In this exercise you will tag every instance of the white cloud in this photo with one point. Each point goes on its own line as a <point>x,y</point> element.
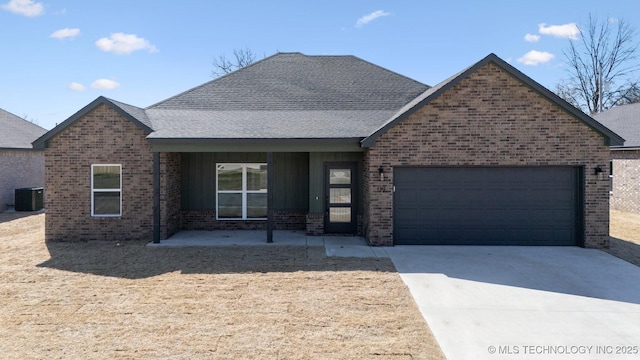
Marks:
<point>76,86</point>
<point>569,31</point>
<point>534,57</point>
<point>532,38</point>
<point>24,7</point>
<point>65,33</point>
<point>120,43</point>
<point>370,17</point>
<point>105,84</point>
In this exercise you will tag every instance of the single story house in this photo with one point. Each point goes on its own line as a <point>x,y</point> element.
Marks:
<point>20,165</point>
<point>625,163</point>
<point>336,145</point>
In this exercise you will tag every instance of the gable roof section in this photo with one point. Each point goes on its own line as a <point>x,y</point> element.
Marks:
<point>134,114</point>
<point>624,120</point>
<point>287,96</point>
<point>17,133</point>
<point>611,138</point>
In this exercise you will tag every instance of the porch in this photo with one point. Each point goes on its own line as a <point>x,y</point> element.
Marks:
<point>338,246</point>
<point>314,192</point>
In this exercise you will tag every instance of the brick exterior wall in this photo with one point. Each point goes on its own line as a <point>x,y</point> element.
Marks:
<point>100,137</point>
<point>488,119</point>
<point>315,224</point>
<point>206,220</point>
<point>19,169</point>
<point>625,195</point>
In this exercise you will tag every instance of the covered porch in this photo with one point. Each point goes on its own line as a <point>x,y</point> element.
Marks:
<point>258,187</point>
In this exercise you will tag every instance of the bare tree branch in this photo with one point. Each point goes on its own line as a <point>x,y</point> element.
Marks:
<point>241,58</point>
<point>31,120</point>
<point>602,66</point>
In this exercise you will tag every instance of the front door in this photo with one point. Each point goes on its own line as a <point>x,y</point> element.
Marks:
<point>340,198</point>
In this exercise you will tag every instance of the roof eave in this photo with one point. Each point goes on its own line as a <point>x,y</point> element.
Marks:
<point>256,145</point>
<point>19,149</point>
<point>155,140</point>
<point>625,148</point>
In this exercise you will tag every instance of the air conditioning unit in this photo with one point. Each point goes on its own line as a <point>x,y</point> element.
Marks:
<point>29,199</point>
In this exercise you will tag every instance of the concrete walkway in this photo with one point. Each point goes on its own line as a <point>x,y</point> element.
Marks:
<point>525,302</point>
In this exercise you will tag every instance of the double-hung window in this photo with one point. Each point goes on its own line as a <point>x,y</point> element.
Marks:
<point>106,190</point>
<point>241,191</point>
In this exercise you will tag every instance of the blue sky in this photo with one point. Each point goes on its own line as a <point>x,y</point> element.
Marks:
<point>58,56</point>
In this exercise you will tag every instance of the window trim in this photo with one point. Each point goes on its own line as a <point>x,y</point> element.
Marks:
<point>244,191</point>
<point>94,190</point>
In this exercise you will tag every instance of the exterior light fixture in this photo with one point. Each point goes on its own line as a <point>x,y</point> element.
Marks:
<point>599,172</point>
<point>381,172</point>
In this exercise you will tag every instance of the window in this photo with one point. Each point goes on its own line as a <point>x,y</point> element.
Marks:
<point>106,190</point>
<point>241,191</point>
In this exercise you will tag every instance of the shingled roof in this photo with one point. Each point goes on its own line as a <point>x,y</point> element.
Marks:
<point>17,133</point>
<point>292,96</point>
<point>287,95</point>
<point>624,120</point>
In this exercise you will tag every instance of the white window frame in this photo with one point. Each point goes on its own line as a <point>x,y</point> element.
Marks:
<point>244,191</point>
<point>94,190</point>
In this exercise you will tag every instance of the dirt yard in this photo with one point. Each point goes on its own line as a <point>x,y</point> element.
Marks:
<point>98,300</point>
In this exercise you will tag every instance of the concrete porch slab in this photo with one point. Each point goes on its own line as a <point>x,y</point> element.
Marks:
<point>338,246</point>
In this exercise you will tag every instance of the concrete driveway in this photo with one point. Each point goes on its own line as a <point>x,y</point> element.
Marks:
<point>525,302</point>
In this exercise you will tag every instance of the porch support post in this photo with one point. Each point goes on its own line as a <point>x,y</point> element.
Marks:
<point>156,197</point>
<point>270,197</point>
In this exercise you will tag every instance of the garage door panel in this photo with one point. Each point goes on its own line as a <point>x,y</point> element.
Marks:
<point>407,198</point>
<point>516,206</point>
<point>410,214</point>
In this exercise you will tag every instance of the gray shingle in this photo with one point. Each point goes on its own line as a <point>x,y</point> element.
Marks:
<point>16,132</point>
<point>134,111</point>
<point>287,95</point>
<point>625,121</point>
<point>201,124</point>
<point>296,82</point>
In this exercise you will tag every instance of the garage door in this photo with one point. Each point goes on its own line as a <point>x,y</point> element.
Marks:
<point>487,206</point>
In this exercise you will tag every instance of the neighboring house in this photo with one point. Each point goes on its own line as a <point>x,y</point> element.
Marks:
<point>336,145</point>
<point>20,165</point>
<point>624,120</point>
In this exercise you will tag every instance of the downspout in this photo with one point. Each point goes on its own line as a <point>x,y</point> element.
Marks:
<point>156,197</point>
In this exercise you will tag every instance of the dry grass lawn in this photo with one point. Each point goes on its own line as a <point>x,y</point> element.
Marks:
<point>98,300</point>
<point>625,236</point>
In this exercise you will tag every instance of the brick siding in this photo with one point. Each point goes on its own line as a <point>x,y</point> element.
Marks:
<point>315,224</point>
<point>19,169</point>
<point>100,137</point>
<point>206,220</point>
<point>625,195</point>
<point>488,119</point>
